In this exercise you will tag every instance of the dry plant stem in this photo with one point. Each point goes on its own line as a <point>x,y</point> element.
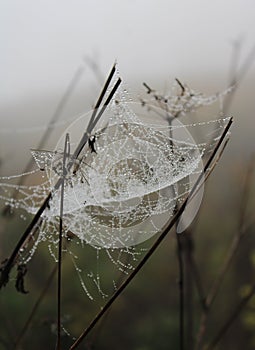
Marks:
<point>35,308</point>
<point>191,264</point>
<point>209,300</point>
<point>197,280</point>
<point>242,229</point>
<point>5,273</point>
<point>8,328</point>
<point>180,258</point>
<point>58,112</point>
<point>64,173</point>
<point>231,319</point>
<point>94,66</point>
<point>189,276</point>
<point>239,75</point>
<point>187,266</point>
<point>104,319</point>
<point>181,289</point>
<point>163,234</point>
<point>61,106</point>
<point>184,253</point>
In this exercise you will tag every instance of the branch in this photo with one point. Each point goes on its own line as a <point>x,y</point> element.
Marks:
<point>232,250</point>
<point>156,244</point>
<point>5,271</point>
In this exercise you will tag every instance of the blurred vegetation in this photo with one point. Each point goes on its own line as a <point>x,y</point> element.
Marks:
<point>146,315</point>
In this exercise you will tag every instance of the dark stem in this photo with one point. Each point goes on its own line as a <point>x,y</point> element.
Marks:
<point>231,319</point>
<point>181,289</point>
<point>189,276</point>
<point>238,76</point>
<point>6,270</point>
<point>156,244</point>
<point>38,302</point>
<point>56,115</point>
<point>198,284</point>
<point>229,256</point>
<point>64,173</point>
<point>103,92</point>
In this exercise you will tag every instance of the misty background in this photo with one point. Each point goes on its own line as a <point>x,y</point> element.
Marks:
<point>43,43</point>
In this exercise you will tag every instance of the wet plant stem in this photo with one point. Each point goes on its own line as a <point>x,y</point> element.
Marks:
<point>232,250</point>
<point>93,121</point>
<point>46,135</point>
<point>35,307</point>
<point>156,244</point>
<point>231,319</point>
<point>64,173</point>
<point>181,289</point>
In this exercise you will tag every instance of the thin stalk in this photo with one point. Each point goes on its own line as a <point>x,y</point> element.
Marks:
<point>156,244</point>
<point>231,319</point>
<point>189,290</point>
<point>199,286</point>
<point>56,115</point>
<point>95,68</point>
<point>238,76</point>
<point>107,314</point>
<point>232,250</point>
<point>64,173</point>
<point>181,290</point>
<point>9,265</point>
<point>180,261</point>
<point>191,262</point>
<point>35,308</point>
<point>103,92</point>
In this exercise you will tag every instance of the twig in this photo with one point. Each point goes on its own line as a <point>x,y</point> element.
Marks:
<point>231,319</point>
<point>191,267</point>
<point>181,86</point>
<point>35,307</point>
<point>238,76</point>
<point>241,231</point>
<point>6,270</point>
<point>189,278</point>
<point>181,290</point>
<point>156,244</point>
<point>199,286</point>
<point>95,68</point>
<point>56,115</point>
<point>64,173</point>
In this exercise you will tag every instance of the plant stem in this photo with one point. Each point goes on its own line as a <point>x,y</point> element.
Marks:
<point>56,115</point>
<point>189,277</point>
<point>156,244</point>
<point>232,250</point>
<point>181,289</point>
<point>64,173</point>
<point>35,307</point>
<point>231,319</point>
<point>9,265</point>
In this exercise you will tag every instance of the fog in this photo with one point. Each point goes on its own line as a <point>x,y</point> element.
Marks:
<point>43,43</point>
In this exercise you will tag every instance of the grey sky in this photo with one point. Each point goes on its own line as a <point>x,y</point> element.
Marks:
<point>43,41</point>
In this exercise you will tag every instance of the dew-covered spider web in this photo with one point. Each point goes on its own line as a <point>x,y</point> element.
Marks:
<point>137,168</point>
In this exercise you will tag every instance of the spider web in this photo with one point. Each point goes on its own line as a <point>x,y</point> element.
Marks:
<point>119,194</point>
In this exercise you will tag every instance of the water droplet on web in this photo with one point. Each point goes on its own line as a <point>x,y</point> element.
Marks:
<point>143,168</point>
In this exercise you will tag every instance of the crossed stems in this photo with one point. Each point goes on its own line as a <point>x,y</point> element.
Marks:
<point>96,115</point>
<point>156,244</point>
